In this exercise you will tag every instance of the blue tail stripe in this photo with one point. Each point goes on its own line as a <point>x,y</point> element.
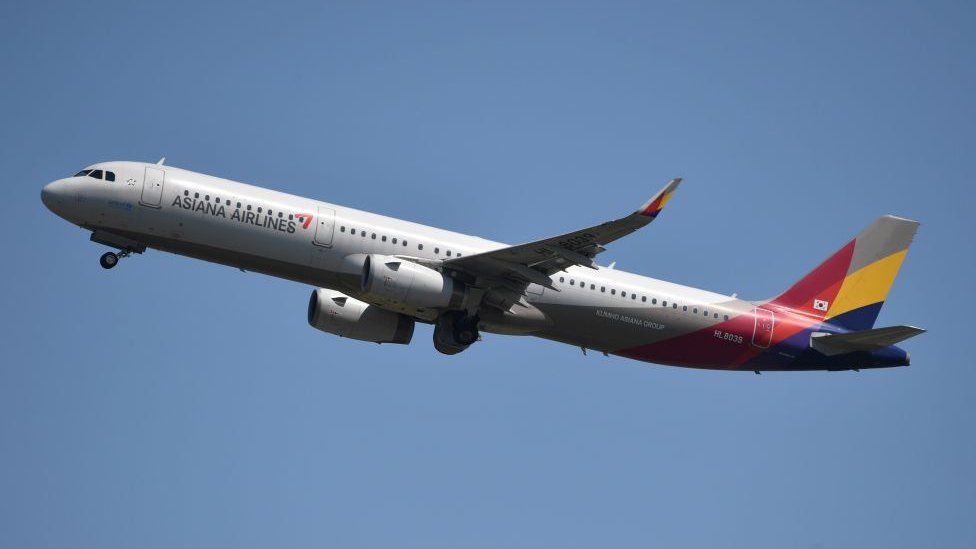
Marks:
<point>861,318</point>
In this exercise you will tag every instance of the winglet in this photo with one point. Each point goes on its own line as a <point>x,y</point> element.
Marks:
<point>654,206</point>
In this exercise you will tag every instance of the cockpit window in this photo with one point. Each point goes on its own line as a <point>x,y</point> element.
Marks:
<point>109,176</point>
<point>97,174</point>
<point>82,173</point>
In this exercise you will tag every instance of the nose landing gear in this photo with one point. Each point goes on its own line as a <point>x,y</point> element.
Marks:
<point>126,247</point>
<point>111,259</point>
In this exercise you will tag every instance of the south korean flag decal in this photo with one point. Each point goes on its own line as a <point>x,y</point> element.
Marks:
<point>820,305</point>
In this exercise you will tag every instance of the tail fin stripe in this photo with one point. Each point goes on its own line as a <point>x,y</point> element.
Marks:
<point>822,282</point>
<point>867,286</point>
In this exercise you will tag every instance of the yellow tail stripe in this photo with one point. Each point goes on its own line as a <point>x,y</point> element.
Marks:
<point>868,285</point>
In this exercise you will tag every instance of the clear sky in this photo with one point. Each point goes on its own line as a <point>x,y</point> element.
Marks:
<point>174,403</point>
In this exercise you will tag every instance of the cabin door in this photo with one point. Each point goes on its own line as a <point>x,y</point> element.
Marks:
<point>152,187</point>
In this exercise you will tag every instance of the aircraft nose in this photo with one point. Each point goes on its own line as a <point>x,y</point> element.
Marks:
<point>54,194</point>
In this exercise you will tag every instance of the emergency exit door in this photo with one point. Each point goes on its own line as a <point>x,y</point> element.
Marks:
<point>762,336</point>
<point>152,187</point>
<point>324,227</point>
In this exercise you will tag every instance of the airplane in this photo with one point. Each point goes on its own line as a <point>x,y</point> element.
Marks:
<point>375,276</point>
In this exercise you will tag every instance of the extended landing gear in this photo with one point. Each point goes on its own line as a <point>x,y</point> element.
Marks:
<point>111,259</point>
<point>108,260</point>
<point>454,332</point>
<point>126,247</point>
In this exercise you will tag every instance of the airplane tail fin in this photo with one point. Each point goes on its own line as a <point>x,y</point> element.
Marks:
<point>849,288</point>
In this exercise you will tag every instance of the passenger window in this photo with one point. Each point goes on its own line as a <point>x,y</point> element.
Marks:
<point>603,288</point>
<point>572,282</point>
<point>644,298</point>
<point>592,286</point>
<point>342,229</point>
<point>248,207</point>
<point>97,174</point>
<point>197,195</point>
<point>281,215</point>
<point>186,193</point>
<point>613,291</point>
<point>238,205</point>
<point>674,305</point>
<point>726,317</point>
<point>623,294</point>
<point>437,250</point>
<point>259,207</point>
<point>706,313</point>
<point>695,310</point>
<point>228,204</point>
<point>449,253</point>
<point>654,301</point>
<point>420,246</point>
<point>664,303</point>
<point>633,296</point>
<point>394,240</point>
<point>404,242</point>
<point>384,238</point>
<point>217,200</point>
<point>684,308</point>
<point>562,279</point>
<point>374,236</point>
<point>207,198</point>
<point>109,176</point>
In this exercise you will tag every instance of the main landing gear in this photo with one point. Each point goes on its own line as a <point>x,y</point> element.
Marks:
<point>111,259</point>
<point>454,332</point>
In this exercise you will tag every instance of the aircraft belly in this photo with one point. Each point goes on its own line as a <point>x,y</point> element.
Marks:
<point>609,328</point>
<point>298,271</point>
<point>657,334</point>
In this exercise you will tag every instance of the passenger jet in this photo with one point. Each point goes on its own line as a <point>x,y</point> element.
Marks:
<point>377,276</point>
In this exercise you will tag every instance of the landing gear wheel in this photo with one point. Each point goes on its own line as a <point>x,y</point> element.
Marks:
<point>108,260</point>
<point>466,331</point>
<point>454,332</point>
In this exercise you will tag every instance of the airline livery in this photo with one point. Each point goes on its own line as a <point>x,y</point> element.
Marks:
<point>376,276</point>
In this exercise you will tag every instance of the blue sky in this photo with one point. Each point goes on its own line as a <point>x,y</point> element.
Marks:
<point>171,402</point>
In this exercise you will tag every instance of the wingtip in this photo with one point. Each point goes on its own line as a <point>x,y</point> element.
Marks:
<point>657,202</point>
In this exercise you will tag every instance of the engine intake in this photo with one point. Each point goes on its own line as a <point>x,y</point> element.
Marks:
<point>336,313</point>
<point>403,282</point>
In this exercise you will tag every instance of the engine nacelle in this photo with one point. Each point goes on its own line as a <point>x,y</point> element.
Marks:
<point>406,283</point>
<point>339,314</point>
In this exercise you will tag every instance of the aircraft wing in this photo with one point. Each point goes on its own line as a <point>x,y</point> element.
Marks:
<point>533,262</point>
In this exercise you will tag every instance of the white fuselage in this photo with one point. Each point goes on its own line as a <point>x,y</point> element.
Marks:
<point>262,230</point>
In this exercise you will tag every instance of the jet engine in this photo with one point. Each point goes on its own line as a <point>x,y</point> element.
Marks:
<point>336,313</point>
<point>406,283</point>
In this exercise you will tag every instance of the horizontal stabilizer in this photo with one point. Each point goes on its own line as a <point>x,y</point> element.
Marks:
<point>864,340</point>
